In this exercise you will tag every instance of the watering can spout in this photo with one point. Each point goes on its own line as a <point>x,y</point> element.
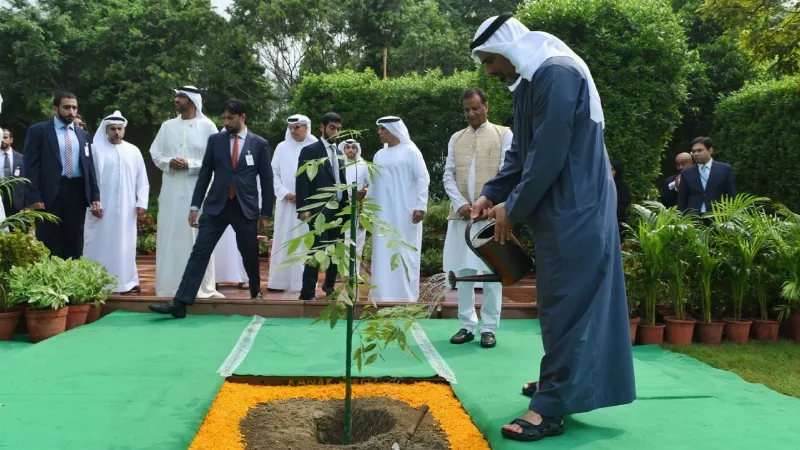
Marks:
<point>509,262</point>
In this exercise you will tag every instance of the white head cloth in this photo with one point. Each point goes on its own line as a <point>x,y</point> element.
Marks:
<point>527,50</point>
<point>351,142</point>
<point>398,129</point>
<point>194,95</point>
<point>299,118</point>
<point>101,141</point>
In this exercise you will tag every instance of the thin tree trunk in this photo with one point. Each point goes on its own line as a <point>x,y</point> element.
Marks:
<point>385,57</point>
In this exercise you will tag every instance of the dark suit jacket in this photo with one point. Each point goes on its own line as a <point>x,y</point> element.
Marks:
<point>18,190</point>
<point>43,164</point>
<point>217,162</point>
<point>691,195</point>
<point>306,188</point>
<point>669,197</point>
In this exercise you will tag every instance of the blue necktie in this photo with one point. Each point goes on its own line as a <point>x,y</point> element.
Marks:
<point>704,180</point>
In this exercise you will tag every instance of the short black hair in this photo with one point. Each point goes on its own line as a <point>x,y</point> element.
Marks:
<point>706,141</point>
<point>61,96</point>
<point>331,117</point>
<point>235,106</point>
<point>10,133</point>
<point>472,92</point>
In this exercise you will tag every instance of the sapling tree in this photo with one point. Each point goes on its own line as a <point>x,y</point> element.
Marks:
<point>377,328</point>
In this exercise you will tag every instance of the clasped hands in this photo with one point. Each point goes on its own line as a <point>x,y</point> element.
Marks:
<point>484,209</point>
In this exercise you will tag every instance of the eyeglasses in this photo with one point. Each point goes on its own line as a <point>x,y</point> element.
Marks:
<point>297,127</point>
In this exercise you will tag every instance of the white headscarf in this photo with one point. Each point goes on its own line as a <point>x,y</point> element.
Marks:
<point>351,142</point>
<point>527,50</point>
<point>299,118</point>
<point>194,95</point>
<point>103,147</point>
<point>398,129</point>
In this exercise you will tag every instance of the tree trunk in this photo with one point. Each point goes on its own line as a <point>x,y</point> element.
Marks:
<point>385,58</point>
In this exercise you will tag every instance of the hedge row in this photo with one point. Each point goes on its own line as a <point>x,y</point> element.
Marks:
<point>757,130</point>
<point>636,51</point>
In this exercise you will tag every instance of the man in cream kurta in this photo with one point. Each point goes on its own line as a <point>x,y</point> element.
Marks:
<point>178,151</point>
<point>400,189</point>
<point>122,178</point>
<point>284,170</point>
<point>474,156</point>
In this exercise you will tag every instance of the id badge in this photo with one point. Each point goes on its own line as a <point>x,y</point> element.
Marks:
<point>86,150</point>
<point>16,172</point>
<point>249,159</point>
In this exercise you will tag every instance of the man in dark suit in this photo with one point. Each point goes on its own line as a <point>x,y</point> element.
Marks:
<point>59,165</point>
<point>707,181</point>
<point>12,166</point>
<point>333,172</point>
<point>669,192</point>
<point>237,159</point>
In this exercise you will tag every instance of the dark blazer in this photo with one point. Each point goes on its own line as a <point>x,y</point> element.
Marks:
<point>43,164</point>
<point>669,197</point>
<point>306,188</point>
<point>691,195</point>
<point>18,190</point>
<point>217,162</point>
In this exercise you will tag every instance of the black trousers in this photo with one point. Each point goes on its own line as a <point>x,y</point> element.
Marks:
<point>211,230</point>
<point>65,238</point>
<point>311,273</point>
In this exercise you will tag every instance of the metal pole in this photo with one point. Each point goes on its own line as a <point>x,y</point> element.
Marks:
<point>353,287</point>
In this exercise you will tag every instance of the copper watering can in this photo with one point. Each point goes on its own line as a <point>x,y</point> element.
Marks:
<point>509,262</point>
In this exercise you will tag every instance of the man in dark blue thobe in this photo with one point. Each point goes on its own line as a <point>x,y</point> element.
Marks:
<point>556,178</point>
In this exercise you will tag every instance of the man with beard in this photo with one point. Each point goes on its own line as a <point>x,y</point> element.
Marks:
<point>236,159</point>
<point>332,173</point>
<point>556,178</point>
<point>58,163</point>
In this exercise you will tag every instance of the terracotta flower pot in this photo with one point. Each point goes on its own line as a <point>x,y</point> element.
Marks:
<point>795,322</point>
<point>679,332</point>
<point>94,313</point>
<point>8,324</point>
<point>738,332</point>
<point>766,330</point>
<point>44,324</point>
<point>76,315</point>
<point>649,335</point>
<point>634,324</point>
<point>710,333</point>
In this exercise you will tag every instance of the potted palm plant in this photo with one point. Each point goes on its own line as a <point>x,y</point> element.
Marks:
<point>41,288</point>
<point>634,274</point>
<point>706,261</point>
<point>677,233</point>
<point>786,238</point>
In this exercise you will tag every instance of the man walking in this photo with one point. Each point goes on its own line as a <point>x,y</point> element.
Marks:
<point>236,158</point>
<point>58,163</point>
<point>705,182</point>
<point>474,155</point>
<point>557,179</point>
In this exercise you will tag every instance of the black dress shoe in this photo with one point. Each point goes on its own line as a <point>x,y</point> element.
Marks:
<point>258,296</point>
<point>461,337</point>
<point>488,340</point>
<point>176,308</point>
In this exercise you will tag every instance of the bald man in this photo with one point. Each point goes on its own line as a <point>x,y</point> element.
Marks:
<point>669,194</point>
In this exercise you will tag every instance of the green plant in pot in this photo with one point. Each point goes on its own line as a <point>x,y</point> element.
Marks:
<point>634,273</point>
<point>678,232</point>
<point>93,284</point>
<point>42,287</point>
<point>786,240</point>
<point>706,262</point>
<point>763,275</point>
<point>742,242</point>
<point>17,249</point>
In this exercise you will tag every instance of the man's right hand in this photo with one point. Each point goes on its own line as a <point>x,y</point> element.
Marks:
<point>37,206</point>
<point>304,215</point>
<point>465,211</point>
<point>677,182</point>
<point>178,163</point>
<point>193,220</point>
<point>291,198</point>
<point>480,210</point>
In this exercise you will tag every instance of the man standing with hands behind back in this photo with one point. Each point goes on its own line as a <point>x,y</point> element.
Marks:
<point>237,159</point>
<point>58,163</point>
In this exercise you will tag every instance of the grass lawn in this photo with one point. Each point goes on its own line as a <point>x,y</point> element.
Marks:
<point>775,365</point>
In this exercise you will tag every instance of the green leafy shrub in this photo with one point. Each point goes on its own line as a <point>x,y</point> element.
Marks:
<point>52,283</point>
<point>431,261</point>
<point>91,282</point>
<point>17,249</point>
<point>756,130</point>
<point>145,244</point>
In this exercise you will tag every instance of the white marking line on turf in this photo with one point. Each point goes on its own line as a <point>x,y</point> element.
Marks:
<point>434,358</point>
<point>242,347</point>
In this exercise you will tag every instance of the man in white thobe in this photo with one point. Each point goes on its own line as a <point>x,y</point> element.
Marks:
<point>122,178</point>
<point>474,156</point>
<point>178,151</point>
<point>400,189</point>
<point>284,170</point>
<point>357,171</point>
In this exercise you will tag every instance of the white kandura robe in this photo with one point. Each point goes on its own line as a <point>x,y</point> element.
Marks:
<point>111,241</point>
<point>229,267</point>
<point>284,170</point>
<point>179,138</point>
<point>400,187</point>
<point>360,173</point>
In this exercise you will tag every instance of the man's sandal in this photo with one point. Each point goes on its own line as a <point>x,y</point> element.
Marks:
<point>550,426</point>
